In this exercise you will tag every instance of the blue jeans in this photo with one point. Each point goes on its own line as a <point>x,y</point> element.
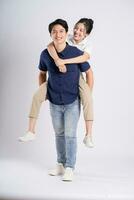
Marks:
<point>64,119</point>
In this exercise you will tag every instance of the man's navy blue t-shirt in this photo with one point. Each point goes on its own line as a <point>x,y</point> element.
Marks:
<point>63,88</point>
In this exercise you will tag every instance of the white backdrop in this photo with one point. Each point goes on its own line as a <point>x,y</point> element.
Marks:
<point>24,34</point>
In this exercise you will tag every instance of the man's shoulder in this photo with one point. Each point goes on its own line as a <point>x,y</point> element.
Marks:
<point>44,52</point>
<point>73,48</point>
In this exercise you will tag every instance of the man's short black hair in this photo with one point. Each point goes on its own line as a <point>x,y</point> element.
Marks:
<point>61,22</point>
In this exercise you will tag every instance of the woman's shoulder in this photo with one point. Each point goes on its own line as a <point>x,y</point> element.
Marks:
<point>70,39</point>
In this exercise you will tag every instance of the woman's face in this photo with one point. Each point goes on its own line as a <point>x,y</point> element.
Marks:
<point>79,32</point>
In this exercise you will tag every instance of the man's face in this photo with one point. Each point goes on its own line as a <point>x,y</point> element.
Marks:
<point>58,34</point>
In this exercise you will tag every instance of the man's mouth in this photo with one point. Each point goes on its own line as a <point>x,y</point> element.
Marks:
<point>58,38</point>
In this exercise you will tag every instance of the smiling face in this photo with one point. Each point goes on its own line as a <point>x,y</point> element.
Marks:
<point>79,32</point>
<point>58,34</point>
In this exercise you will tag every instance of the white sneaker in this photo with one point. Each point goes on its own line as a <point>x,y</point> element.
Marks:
<point>59,170</point>
<point>68,175</point>
<point>88,141</point>
<point>29,136</point>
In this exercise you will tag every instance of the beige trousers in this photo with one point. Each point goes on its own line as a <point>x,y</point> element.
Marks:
<point>85,96</point>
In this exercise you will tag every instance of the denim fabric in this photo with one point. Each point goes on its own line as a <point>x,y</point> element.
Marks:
<point>64,119</point>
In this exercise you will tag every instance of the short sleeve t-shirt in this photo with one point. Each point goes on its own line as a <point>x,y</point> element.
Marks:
<point>63,87</point>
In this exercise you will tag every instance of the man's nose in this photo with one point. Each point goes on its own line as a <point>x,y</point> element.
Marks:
<point>58,34</point>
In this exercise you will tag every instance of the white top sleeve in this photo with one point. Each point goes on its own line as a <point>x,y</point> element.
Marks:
<point>88,49</point>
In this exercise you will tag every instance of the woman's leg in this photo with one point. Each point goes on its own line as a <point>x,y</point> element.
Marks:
<point>37,100</point>
<point>87,102</point>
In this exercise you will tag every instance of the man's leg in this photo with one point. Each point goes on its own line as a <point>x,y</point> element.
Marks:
<point>58,125</point>
<point>71,117</point>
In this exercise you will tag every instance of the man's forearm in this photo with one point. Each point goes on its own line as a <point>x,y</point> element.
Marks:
<point>42,78</point>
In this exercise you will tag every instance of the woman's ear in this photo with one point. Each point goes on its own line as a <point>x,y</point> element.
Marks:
<point>86,35</point>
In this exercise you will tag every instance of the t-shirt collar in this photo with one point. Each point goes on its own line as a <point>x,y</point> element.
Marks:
<point>64,50</point>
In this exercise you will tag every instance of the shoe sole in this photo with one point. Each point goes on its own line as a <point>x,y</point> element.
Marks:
<point>66,180</point>
<point>25,141</point>
<point>87,145</point>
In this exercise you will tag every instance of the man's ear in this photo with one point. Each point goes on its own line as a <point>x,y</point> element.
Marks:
<point>66,35</point>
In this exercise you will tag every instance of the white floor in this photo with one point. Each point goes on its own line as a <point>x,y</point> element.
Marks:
<point>104,178</point>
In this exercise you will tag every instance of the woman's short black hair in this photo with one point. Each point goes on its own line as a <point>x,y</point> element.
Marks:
<point>61,22</point>
<point>88,23</point>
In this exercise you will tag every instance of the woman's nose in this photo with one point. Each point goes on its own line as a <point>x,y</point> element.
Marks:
<point>77,31</point>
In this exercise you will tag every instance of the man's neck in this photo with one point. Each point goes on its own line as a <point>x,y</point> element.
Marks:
<point>60,47</point>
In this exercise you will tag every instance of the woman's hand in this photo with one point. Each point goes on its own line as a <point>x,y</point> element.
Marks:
<point>62,68</point>
<point>59,62</point>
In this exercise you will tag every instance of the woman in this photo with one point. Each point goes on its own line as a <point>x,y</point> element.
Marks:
<point>81,30</point>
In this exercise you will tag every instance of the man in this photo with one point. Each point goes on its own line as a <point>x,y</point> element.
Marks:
<point>63,94</point>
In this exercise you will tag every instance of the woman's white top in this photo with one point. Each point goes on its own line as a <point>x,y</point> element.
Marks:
<point>84,45</point>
